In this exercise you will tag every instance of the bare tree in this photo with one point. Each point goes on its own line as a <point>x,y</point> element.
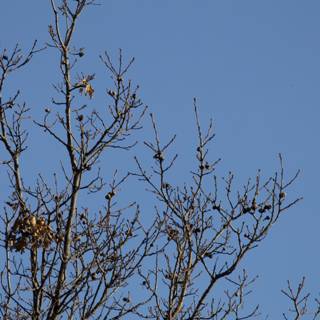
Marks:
<point>209,232</point>
<point>64,260</point>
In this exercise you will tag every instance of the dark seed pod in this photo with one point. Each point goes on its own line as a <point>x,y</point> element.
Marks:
<point>267,207</point>
<point>282,195</point>
<point>109,195</point>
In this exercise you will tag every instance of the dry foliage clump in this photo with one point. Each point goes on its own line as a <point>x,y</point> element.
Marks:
<point>30,231</point>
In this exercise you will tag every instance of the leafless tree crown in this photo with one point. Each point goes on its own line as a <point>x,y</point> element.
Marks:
<point>65,260</point>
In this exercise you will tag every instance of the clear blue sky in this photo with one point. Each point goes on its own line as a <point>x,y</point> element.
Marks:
<point>255,68</point>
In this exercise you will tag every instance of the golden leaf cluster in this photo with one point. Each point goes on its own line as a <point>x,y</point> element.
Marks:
<point>86,88</point>
<point>30,231</point>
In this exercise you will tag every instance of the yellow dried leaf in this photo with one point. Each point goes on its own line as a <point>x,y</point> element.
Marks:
<point>33,221</point>
<point>89,90</point>
<point>41,221</point>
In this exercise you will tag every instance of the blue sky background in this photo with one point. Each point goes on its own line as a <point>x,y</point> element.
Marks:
<point>254,67</point>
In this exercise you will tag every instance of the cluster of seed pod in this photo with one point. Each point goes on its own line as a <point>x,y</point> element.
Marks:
<point>30,231</point>
<point>172,233</point>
